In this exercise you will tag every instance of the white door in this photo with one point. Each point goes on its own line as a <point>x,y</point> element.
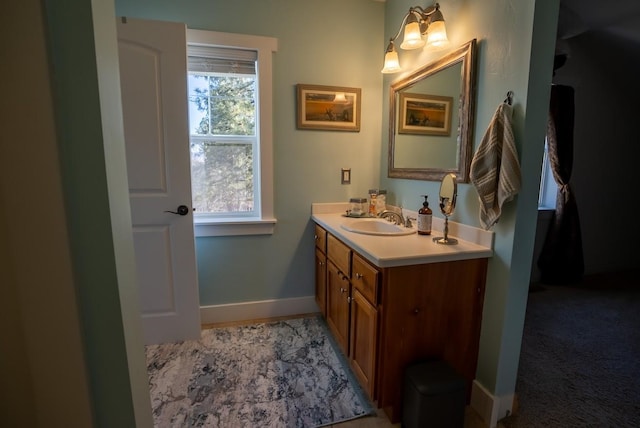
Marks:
<point>153,78</point>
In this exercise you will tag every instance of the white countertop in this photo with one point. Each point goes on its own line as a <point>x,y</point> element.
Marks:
<point>390,251</point>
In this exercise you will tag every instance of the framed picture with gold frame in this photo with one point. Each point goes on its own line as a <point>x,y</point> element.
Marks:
<point>330,108</point>
<point>424,114</point>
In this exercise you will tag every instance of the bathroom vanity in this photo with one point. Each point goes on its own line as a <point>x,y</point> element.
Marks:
<point>393,300</point>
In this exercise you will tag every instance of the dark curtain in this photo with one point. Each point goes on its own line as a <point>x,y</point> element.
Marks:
<point>561,260</point>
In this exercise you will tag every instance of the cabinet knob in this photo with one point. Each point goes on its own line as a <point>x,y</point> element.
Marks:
<point>416,311</point>
<point>321,263</point>
<point>315,237</point>
<point>359,275</point>
<point>349,299</point>
<point>342,290</point>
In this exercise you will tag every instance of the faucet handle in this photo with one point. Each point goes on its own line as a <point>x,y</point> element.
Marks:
<point>407,221</point>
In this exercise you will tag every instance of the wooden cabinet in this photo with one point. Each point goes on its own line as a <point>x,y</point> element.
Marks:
<point>338,305</point>
<point>321,269</point>
<point>321,281</point>
<point>387,318</point>
<point>351,290</point>
<point>365,279</point>
<point>364,322</point>
<point>339,254</point>
<point>364,338</point>
<point>321,239</point>
<point>430,311</point>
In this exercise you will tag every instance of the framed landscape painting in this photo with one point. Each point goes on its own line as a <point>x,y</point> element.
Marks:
<point>424,114</point>
<point>331,108</point>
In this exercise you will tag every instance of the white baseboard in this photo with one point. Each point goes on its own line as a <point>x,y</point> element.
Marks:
<point>258,309</point>
<point>490,407</point>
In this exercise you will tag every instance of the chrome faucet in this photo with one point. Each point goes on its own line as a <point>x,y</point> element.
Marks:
<point>407,221</point>
<point>394,216</point>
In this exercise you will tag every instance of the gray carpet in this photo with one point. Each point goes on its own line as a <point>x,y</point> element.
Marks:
<point>580,365</point>
<point>280,374</point>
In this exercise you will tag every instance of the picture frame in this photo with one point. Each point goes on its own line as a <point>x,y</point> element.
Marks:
<point>329,108</point>
<point>424,114</point>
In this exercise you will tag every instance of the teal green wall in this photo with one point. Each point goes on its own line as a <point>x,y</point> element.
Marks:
<point>324,42</point>
<point>341,43</point>
<point>506,42</point>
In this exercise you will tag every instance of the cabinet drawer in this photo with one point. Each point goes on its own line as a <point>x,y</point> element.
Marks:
<point>321,239</point>
<point>365,279</point>
<point>340,254</point>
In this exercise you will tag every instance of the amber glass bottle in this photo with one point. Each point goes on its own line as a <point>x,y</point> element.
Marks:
<point>425,216</point>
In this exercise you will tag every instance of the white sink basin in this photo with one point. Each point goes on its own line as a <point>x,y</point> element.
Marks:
<point>377,227</point>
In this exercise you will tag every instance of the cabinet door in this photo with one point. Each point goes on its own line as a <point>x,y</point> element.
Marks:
<point>338,291</point>
<point>364,323</point>
<point>430,311</point>
<point>321,282</point>
<point>461,316</point>
<point>409,330</point>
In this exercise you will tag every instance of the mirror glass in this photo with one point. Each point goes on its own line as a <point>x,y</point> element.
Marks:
<point>431,118</point>
<point>448,194</point>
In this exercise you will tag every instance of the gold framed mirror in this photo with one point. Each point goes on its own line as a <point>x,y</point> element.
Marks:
<point>431,114</point>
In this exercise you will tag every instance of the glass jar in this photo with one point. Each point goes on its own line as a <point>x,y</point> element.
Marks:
<point>358,206</point>
<point>373,196</point>
<point>381,201</point>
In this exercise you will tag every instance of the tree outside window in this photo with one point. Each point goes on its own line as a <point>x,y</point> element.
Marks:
<point>222,116</point>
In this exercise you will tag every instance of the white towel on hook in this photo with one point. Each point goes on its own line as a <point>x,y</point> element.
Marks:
<point>495,169</point>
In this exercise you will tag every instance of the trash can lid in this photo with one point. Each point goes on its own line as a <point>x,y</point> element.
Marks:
<point>434,377</point>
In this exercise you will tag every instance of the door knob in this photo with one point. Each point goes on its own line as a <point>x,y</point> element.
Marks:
<point>181,210</point>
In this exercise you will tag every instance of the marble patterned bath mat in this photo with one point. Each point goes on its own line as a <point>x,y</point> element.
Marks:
<point>280,374</point>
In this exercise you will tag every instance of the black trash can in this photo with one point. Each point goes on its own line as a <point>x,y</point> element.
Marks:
<point>434,396</point>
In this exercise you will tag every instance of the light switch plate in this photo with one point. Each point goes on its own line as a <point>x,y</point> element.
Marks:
<point>346,176</point>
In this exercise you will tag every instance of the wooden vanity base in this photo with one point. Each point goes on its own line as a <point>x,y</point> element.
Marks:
<point>387,318</point>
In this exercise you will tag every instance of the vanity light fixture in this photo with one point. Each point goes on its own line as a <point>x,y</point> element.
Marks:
<point>417,23</point>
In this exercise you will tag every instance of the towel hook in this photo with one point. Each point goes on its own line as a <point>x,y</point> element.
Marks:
<point>509,98</point>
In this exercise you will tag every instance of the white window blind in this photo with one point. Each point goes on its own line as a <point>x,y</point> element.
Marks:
<point>213,59</point>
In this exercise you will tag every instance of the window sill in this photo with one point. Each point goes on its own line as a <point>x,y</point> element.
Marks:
<point>234,227</point>
<point>545,213</point>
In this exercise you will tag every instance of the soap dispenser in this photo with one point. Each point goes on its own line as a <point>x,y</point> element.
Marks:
<point>424,218</point>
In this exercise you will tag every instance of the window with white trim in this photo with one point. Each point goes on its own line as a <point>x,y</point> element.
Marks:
<point>229,81</point>
<point>222,128</point>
